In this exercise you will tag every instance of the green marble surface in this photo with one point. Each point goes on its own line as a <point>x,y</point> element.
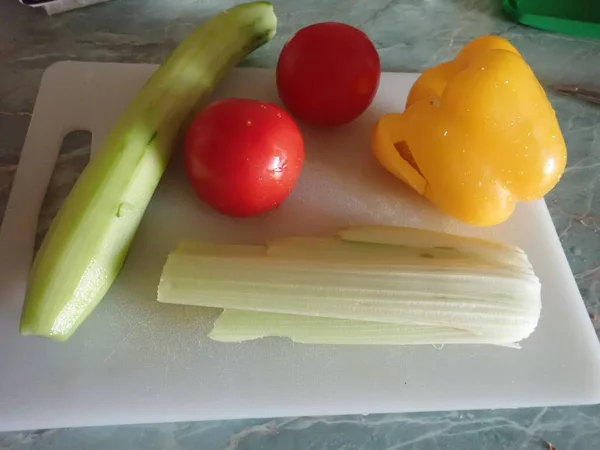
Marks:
<point>410,35</point>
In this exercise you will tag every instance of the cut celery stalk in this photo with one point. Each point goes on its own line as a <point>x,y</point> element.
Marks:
<point>239,326</point>
<point>328,248</point>
<point>87,243</point>
<point>411,284</point>
<point>400,236</point>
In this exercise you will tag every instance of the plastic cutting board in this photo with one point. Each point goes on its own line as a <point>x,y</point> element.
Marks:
<point>137,361</point>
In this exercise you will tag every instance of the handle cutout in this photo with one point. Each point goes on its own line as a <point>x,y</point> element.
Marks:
<point>72,158</point>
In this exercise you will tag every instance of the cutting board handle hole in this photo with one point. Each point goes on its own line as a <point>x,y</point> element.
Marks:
<point>72,158</point>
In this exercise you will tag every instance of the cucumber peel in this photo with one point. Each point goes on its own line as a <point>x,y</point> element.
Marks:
<point>88,240</point>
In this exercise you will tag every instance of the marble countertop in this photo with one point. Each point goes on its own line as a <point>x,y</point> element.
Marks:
<point>410,35</point>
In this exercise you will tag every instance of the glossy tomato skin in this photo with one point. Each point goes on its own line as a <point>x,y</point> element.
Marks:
<point>328,73</point>
<point>243,157</point>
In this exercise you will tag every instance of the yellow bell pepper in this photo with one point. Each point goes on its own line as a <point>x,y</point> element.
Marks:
<point>477,136</point>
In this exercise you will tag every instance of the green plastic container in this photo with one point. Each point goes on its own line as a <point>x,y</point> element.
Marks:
<point>574,17</point>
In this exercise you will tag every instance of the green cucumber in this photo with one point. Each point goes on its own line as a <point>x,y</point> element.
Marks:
<point>88,240</point>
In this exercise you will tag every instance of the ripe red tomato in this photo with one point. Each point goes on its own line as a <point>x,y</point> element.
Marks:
<point>328,73</point>
<point>243,157</point>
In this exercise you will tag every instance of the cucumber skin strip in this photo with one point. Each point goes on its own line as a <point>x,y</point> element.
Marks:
<point>88,241</point>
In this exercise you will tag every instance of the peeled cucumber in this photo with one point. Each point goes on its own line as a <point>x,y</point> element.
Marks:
<point>88,240</point>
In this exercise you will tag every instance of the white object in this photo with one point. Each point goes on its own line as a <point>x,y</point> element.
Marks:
<point>58,6</point>
<point>137,361</point>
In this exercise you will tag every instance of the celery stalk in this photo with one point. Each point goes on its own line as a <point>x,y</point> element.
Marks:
<point>460,287</point>
<point>400,236</point>
<point>239,326</point>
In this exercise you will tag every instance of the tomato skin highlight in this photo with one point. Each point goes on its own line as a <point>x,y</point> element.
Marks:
<point>328,74</point>
<point>242,156</point>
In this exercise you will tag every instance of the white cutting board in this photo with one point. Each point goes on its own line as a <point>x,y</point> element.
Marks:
<point>137,361</point>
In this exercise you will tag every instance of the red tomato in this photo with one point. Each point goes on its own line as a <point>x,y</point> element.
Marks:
<point>243,156</point>
<point>328,73</point>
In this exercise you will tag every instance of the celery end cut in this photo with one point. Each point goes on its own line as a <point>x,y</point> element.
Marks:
<point>88,240</point>
<point>413,237</point>
<point>450,289</point>
<point>239,326</point>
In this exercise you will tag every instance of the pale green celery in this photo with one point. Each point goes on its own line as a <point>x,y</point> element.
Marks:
<point>412,237</point>
<point>327,248</point>
<point>336,247</point>
<point>88,240</point>
<point>239,326</point>
<point>497,300</point>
